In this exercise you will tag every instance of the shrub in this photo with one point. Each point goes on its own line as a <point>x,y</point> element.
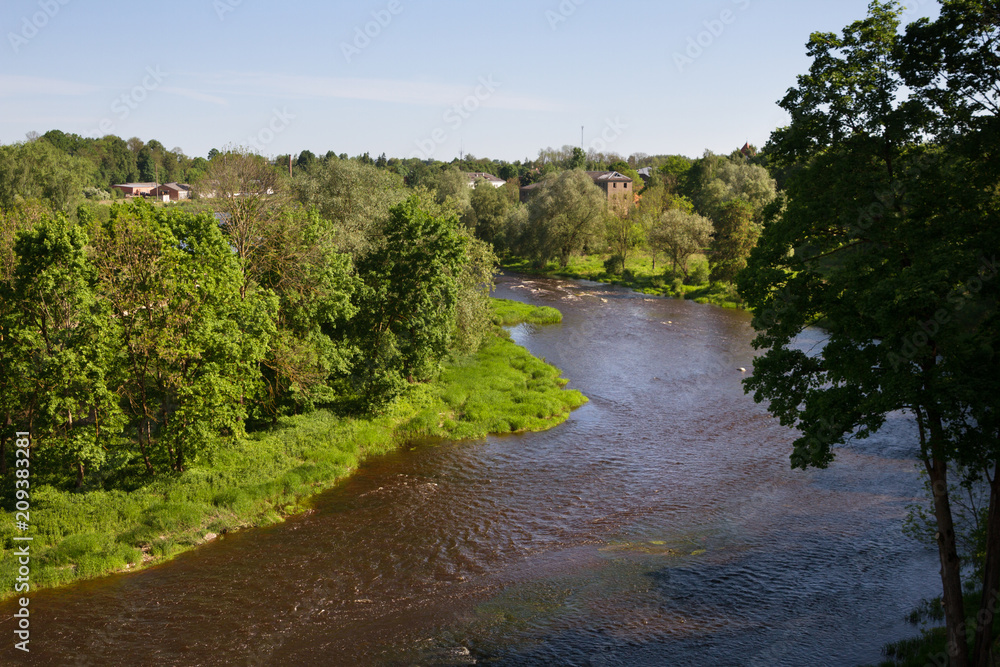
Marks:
<point>614,265</point>
<point>699,275</point>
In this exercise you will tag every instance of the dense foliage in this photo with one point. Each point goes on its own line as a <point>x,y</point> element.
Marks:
<point>887,238</point>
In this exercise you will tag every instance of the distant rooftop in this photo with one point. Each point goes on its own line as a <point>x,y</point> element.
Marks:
<point>608,176</point>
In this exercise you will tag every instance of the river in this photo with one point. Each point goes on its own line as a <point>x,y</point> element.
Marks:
<point>660,525</point>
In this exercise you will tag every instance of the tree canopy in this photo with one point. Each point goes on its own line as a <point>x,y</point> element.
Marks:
<point>886,240</point>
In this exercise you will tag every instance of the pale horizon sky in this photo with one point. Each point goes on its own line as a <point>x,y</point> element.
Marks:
<point>497,79</point>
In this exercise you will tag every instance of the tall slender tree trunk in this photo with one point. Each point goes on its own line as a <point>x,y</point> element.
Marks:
<point>981,651</point>
<point>951,579</point>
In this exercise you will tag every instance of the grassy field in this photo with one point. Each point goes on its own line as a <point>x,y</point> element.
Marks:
<point>640,276</point>
<point>260,479</point>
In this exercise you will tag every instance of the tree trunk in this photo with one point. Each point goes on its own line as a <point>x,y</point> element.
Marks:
<point>79,474</point>
<point>991,578</point>
<point>951,579</point>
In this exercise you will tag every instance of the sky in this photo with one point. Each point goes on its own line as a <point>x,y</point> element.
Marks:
<point>412,78</point>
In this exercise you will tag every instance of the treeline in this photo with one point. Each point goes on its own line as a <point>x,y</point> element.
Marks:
<point>134,337</point>
<point>65,168</point>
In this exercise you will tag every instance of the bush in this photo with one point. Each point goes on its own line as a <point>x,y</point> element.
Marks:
<point>96,193</point>
<point>677,287</point>
<point>699,275</point>
<point>614,265</point>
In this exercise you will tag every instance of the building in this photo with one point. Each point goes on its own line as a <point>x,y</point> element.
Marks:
<point>135,189</point>
<point>172,192</point>
<point>490,178</point>
<point>614,185</point>
<point>645,174</point>
<point>527,191</point>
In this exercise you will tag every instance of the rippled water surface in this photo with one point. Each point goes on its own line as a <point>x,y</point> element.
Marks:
<point>660,525</point>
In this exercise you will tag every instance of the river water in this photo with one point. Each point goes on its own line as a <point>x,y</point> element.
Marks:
<point>660,525</point>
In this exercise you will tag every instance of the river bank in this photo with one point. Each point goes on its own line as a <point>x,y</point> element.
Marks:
<point>273,474</point>
<point>640,274</point>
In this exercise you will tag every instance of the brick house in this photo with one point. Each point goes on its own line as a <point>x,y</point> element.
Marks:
<point>614,185</point>
<point>173,191</point>
<point>135,189</point>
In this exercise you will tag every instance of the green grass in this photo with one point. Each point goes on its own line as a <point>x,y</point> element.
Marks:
<point>259,479</point>
<point>639,275</point>
<point>508,313</point>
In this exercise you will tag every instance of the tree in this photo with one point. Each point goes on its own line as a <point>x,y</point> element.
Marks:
<point>715,180</point>
<point>192,335</point>
<point>355,197</point>
<point>406,307</point>
<point>624,230</point>
<point>488,206</point>
<point>891,204</point>
<point>65,339</point>
<point>454,184</point>
<point>565,214</point>
<point>248,194</point>
<point>735,236</point>
<point>314,285</point>
<point>38,170</point>
<point>680,234</point>
<point>116,163</point>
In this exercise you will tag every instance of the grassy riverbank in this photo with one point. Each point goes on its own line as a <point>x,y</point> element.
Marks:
<point>270,474</point>
<point>639,275</point>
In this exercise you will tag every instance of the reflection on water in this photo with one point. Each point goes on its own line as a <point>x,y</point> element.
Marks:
<point>660,525</point>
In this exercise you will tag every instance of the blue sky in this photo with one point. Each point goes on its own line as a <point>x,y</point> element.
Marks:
<point>408,77</point>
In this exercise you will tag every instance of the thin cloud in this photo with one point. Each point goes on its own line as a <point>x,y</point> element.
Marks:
<point>194,95</point>
<point>14,85</point>
<point>418,93</point>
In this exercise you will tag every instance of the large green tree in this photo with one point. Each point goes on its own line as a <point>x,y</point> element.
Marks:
<point>65,340</point>
<point>887,241</point>
<point>406,307</point>
<point>355,197</point>
<point>192,335</point>
<point>680,234</point>
<point>488,210</point>
<point>735,235</point>
<point>565,214</point>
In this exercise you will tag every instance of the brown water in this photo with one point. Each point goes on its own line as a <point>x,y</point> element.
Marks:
<point>660,525</point>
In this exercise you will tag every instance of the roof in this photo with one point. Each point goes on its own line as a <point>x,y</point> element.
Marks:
<point>476,175</point>
<point>608,177</point>
<point>175,186</point>
<point>134,185</point>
